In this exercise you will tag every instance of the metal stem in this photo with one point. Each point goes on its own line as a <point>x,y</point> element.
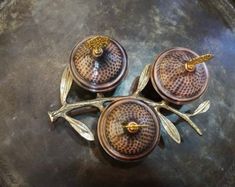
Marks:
<point>191,64</point>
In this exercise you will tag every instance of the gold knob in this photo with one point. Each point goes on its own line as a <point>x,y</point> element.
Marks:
<point>97,44</point>
<point>133,127</point>
<point>96,52</point>
<point>191,64</point>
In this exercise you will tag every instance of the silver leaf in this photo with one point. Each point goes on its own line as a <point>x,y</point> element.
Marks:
<point>81,128</point>
<point>170,128</point>
<point>203,107</point>
<point>65,85</point>
<point>143,80</point>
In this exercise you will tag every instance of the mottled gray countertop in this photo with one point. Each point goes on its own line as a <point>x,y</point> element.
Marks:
<point>36,38</point>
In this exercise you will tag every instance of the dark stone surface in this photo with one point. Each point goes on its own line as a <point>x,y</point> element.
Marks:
<point>36,38</point>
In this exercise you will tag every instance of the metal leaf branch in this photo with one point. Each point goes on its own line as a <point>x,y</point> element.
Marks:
<point>98,103</point>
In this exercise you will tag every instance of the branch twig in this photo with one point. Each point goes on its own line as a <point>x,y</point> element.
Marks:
<point>99,102</point>
<point>182,115</point>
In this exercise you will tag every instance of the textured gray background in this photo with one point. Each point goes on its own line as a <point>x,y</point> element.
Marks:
<point>36,38</point>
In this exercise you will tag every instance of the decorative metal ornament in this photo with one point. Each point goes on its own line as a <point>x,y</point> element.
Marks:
<point>179,75</point>
<point>128,127</point>
<point>98,63</point>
